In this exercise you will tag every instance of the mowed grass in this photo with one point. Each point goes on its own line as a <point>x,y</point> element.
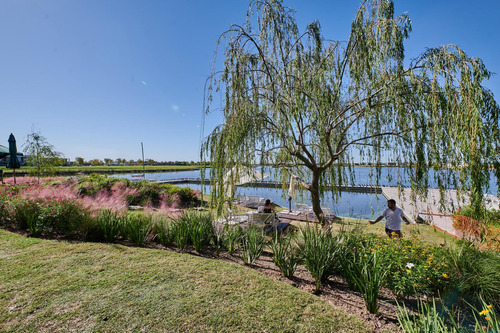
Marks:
<point>60,286</point>
<point>422,232</point>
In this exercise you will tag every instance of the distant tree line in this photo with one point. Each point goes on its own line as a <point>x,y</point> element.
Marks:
<point>121,161</point>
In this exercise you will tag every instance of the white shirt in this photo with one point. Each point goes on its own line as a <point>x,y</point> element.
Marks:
<point>393,218</point>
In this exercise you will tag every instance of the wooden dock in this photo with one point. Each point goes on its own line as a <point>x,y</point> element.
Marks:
<point>271,184</point>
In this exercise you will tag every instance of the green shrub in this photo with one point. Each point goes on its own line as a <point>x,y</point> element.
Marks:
<point>252,244</point>
<point>284,255</point>
<point>94,183</point>
<point>186,195</point>
<point>427,319</point>
<point>232,237</point>
<point>34,226</point>
<point>366,273</point>
<point>201,231</point>
<point>137,228</point>
<point>477,272</point>
<point>109,224</point>
<point>321,254</point>
<point>63,217</point>
<point>180,230</point>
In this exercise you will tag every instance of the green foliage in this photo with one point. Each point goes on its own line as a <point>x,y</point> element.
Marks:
<point>34,226</point>
<point>164,230</point>
<point>137,228</point>
<point>201,231</point>
<point>427,319</point>
<point>321,253</point>
<point>284,255</point>
<point>413,267</point>
<point>252,244</point>
<point>476,272</point>
<point>231,237</point>
<point>367,274</point>
<point>109,224</point>
<point>186,195</point>
<point>309,104</point>
<point>41,155</point>
<point>490,217</point>
<point>94,183</point>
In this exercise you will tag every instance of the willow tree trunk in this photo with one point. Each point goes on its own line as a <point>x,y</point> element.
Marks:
<point>315,197</point>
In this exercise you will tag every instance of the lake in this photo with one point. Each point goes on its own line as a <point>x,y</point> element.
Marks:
<point>350,204</point>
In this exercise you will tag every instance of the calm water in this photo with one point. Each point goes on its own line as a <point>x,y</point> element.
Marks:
<point>356,205</point>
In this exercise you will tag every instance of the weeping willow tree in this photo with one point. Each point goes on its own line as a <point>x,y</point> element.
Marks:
<point>309,108</point>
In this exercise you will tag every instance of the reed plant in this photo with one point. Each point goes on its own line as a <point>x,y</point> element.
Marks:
<point>320,252</point>
<point>231,237</point>
<point>284,255</point>
<point>427,319</point>
<point>109,224</point>
<point>252,244</point>
<point>201,229</point>
<point>180,231</point>
<point>367,274</point>
<point>34,226</point>
<point>137,228</point>
<point>477,272</point>
<point>164,230</point>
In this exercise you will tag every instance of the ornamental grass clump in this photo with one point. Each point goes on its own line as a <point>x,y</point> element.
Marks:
<point>321,254</point>
<point>366,273</point>
<point>284,255</point>
<point>231,237</point>
<point>427,319</point>
<point>137,228</point>
<point>252,244</point>
<point>180,231</point>
<point>109,224</point>
<point>201,231</point>
<point>476,272</point>
<point>164,230</point>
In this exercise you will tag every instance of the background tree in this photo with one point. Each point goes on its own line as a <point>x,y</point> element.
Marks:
<point>308,107</point>
<point>41,155</point>
<point>108,161</point>
<point>96,162</point>
<point>80,160</point>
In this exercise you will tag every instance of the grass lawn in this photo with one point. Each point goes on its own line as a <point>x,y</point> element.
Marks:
<point>422,232</point>
<point>48,286</point>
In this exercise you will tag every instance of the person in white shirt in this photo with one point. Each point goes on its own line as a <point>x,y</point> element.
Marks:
<point>393,216</point>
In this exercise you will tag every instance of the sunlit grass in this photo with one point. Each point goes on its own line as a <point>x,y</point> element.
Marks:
<point>59,286</point>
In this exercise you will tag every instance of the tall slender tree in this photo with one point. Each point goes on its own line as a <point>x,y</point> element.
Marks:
<point>42,155</point>
<point>309,107</point>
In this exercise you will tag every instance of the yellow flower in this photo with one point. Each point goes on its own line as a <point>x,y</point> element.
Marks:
<point>489,306</point>
<point>487,318</point>
<point>445,276</point>
<point>415,285</point>
<point>485,311</point>
<point>408,271</point>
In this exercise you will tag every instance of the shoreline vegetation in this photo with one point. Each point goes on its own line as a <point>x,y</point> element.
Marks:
<point>75,170</point>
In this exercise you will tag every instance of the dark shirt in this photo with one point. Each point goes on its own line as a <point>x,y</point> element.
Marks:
<point>267,210</point>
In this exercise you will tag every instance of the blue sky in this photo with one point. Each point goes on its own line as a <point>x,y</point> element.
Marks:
<point>98,77</point>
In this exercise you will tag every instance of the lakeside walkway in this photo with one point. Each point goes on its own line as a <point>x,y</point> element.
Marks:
<point>431,210</point>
